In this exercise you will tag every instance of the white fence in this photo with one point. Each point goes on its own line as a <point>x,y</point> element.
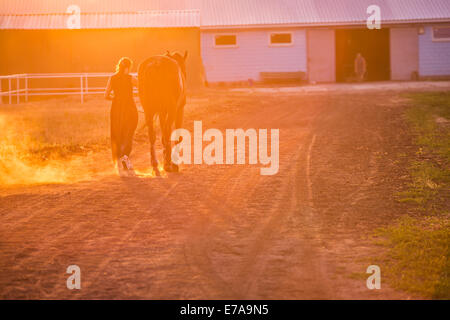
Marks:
<point>19,86</point>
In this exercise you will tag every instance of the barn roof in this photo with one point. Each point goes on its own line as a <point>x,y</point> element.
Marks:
<point>144,19</point>
<point>319,12</point>
<point>50,14</point>
<point>93,6</point>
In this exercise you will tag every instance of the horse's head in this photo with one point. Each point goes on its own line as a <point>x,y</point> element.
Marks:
<point>180,59</point>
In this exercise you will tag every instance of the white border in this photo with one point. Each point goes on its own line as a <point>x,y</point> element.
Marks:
<point>281,44</point>
<point>226,45</point>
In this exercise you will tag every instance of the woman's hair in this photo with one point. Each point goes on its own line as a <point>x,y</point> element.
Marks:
<point>123,64</point>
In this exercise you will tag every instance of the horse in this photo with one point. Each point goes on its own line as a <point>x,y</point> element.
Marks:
<point>162,85</point>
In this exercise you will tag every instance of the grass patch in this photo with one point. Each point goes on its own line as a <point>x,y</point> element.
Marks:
<point>48,141</point>
<point>430,172</point>
<point>41,131</point>
<point>428,181</point>
<point>417,259</point>
<point>423,115</point>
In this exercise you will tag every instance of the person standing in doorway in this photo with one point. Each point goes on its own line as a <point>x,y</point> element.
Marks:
<point>124,115</point>
<point>360,67</point>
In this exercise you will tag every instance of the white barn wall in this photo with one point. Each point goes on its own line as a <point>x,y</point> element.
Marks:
<point>434,57</point>
<point>252,55</point>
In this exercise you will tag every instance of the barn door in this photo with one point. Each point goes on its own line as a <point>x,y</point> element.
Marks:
<point>404,53</point>
<point>321,55</point>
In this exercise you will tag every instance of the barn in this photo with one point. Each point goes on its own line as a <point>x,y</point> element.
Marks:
<point>232,40</point>
<point>241,39</point>
<point>42,36</point>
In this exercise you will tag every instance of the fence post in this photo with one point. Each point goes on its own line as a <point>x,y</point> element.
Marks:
<point>81,84</point>
<point>17,89</point>
<point>26,88</point>
<point>87,83</point>
<point>9,90</point>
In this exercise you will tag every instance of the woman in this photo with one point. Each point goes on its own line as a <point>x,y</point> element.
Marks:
<point>124,116</point>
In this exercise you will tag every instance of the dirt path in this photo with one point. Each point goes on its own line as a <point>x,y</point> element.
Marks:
<point>220,232</point>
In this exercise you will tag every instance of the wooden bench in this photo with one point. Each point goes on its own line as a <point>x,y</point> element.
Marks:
<point>273,77</point>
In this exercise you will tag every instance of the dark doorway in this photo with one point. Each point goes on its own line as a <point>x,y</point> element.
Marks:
<point>372,44</point>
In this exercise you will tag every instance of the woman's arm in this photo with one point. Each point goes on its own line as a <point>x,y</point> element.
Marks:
<point>108,91</point>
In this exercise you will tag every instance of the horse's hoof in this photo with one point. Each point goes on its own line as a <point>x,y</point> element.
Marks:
<point>171,168</point>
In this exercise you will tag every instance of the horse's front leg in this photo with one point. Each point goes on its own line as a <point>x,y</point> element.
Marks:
<point>178,121</point>
<point>152,138</point>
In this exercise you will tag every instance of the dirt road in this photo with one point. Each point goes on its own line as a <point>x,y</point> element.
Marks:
<point>221,232</point>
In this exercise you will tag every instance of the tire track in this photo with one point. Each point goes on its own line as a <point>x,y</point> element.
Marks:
<point>251,269</point>
<point>203,244</point>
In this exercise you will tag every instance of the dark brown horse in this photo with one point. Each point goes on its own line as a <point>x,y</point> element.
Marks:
<point>162,81</point>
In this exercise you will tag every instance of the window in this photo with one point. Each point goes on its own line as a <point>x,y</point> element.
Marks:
<point>441,34</point>
<point>225,41</point>
<point>280,39</point>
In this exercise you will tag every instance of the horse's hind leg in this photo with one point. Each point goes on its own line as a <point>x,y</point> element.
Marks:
<point>152,138</point>
<point>179,121</point>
